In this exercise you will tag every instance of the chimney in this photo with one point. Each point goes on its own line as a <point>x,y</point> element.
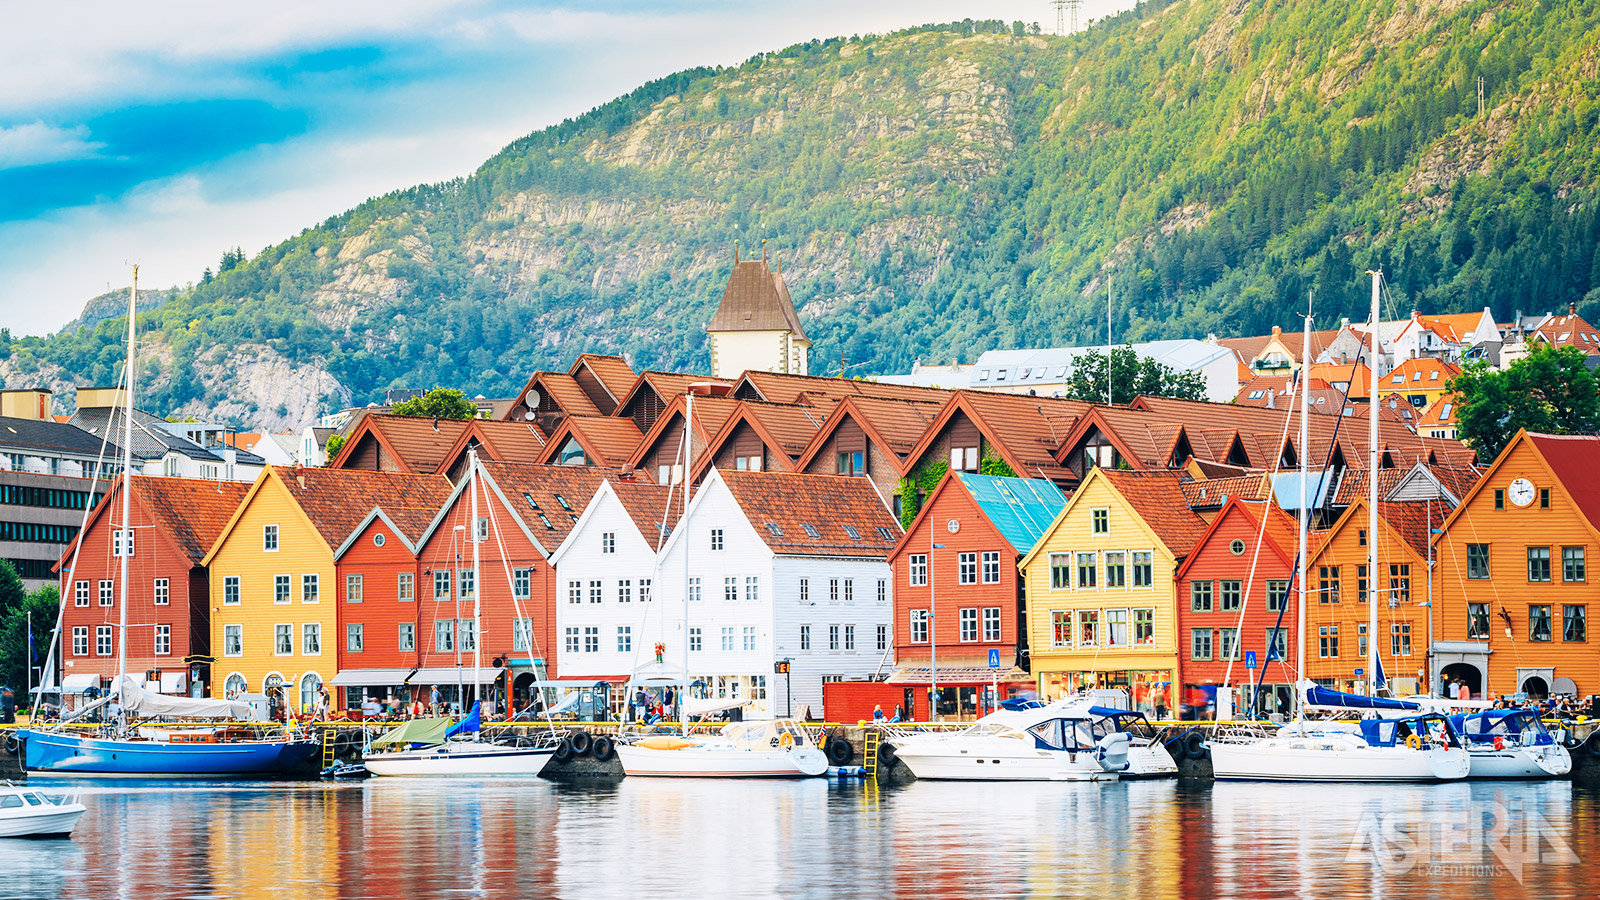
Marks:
<point>1276,330</point>
<point>1572,309</point>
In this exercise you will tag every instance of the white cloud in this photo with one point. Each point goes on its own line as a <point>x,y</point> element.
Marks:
<point>36,143</point>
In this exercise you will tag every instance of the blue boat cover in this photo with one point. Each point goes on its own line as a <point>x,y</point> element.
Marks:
<point>472,723</point>
<point>1321,696</point>
<point>1108,711</point>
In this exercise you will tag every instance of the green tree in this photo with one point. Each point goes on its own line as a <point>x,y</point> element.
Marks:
<point>16,654</point>
<point>1551,390</point>
<point>439,403</point>
<point>1130,376</point>
<point>335,441</point>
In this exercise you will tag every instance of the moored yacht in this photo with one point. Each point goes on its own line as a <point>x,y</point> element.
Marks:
<point>1511,743</point>
<point>777,748</point>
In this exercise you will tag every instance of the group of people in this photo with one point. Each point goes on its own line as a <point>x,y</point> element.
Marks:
<point>650,708</point>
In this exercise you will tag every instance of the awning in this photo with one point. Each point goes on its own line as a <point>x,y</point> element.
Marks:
<point>371,677</point>
<point>956,675</point>
<point>77,684</point>
<point>450,675</point>
<point>174,682</point>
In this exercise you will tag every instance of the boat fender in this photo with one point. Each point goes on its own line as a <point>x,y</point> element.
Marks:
<point>12,743</point>
<point>840,753</point>
<point>1414,742</point>
<point>602,748</point>
<point>1593,744</point>
<point>563,750</point>
<point>1194,745</point>
<point>344,742</point>
<point>581,741</point>
<point>1499,742</point>
<point>886,757</point>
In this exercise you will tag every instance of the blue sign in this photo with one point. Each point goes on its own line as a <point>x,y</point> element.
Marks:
<point>1360,672</point>
<point>994,659</point>
<point>1249,659</point>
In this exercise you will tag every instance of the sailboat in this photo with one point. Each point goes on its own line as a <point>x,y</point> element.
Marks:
<point>1414,745</point>
<point>433,746</point>
<point>125,748</point>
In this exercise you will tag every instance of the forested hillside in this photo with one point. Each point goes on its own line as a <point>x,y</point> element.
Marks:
<point>935,193</point>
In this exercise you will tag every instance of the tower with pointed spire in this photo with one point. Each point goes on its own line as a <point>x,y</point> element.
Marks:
<point>756,326</point>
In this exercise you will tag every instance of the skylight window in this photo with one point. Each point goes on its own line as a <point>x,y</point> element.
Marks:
<point>1399,378</point>
<point>1061,372</point>
<point>1445,413</point>
<point>1434,375</point>
<point>1416,376</point>
<point>885,534</point>
<point>852,532</point>
<point>531,502</point>
<point>546,520</point>
<point>811,530</point>
<point>1000,376</point>
<point>1025,371</point>
<point>564,504</point>
<point>774,530</point>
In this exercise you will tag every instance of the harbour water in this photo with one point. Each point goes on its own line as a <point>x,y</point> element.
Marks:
<point>397,838</point>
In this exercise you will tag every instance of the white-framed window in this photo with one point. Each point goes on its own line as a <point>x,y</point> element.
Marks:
<point>283,640</point>
<point>625,590</point>
<point>80,640</point>
<point>80,593</point>
<point>1143,568</point>
<point>522,634</point>
<point>107,588</point>
<point>730,589</point>
<point>883,590</point>
<point>919,626</point>
<point>991,567</point>
<point>122,542</point>
<point>408,637</point>
<point>967,568</point>
<point>163,640</point>
<point>969,624</point>
<point>805,590</point>
<point>917,570</point>
<point>597,591</point>
<point>352,588</point>
<point>1116,569</point>
<point>1117,628</point>
<point>483,529</point>
<point>694,589</point>
<point>522,582</point>
<point>883,638</point>
<point>467,582</point>
<point>833,590</point>
<point>849,637</point>
<point>697,640</point>
<point>574,640</point>
<point>352,638</point>
<point>1060,571</point>
<point>991,624</point>
<point>805,637</point>
<point>716,538</point>
<point>574,592</point>
<point>280,589</point>
<point>467,631</point>
<point>608,542</point>
<point>102,640</point>
<point>591,639</point>
<point>1100,521</point>
<point>406,588</point>
<point>1087,570</point>
<point>849,590</point>
<point>269,538</point>
<point>233,640</point>
<point>833,637</point>
<point>444,636</point>
<point>1088,628</point>
<point>727,638</point>
<point>644,590</point>
<point>230,590</point>
<point>752,588</point>
<point>1144,627</point>
<point>441,584</point>
<point>310,588</point>
<point>749,637</point>
<point>624,638</point>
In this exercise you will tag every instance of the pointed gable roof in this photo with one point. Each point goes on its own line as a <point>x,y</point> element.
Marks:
<point>779,506</point>
<point>1571,459</point>
<point>545,501</point>
<point>1158,499</point>
<point>1026,431</point>
<point>786,429</point>
<point>416,446</point>
<point>1021,509</point>
<point>607,441</point>
<point>783,387</point>
<point>610,374</point>
<point>710,414</point>
<point>894,426</point>
<point>756,299</point>
<point>1280,536</point>
<point>190,513</point>
<point>501,441</point>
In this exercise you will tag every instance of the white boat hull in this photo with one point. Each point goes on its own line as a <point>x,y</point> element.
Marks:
<point>462,758</point>
<point>1150,761</point>
<point>966,758</point>
<point>717,762</point>
<point>1310,759</point>
<point>1546,761</point>
<point>49,821</point>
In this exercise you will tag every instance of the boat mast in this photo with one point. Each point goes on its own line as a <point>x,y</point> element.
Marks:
<point>477,576</point>
<point>688,460</point>
<point>1372,499</point>
<point>127,485</point>
<point>1305,514</point>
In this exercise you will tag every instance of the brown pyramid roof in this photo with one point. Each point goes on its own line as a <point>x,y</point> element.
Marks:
<point>756,299</point>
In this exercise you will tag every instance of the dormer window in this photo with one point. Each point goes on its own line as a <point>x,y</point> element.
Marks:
<point>572,454</point>
<point>983,374</point>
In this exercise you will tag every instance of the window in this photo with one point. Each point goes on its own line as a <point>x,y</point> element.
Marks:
<point>1399,583</point>
<point>574,643</point>
<point>851,462</point>
<point>833,590</point>
<point>1477,560</point>
<point>883,638</point>
<point>1231,595</point>
<point>644,590</point>
<point>750,637</point>
<point>696,640</point>
<point>1544,498</point>
<point>969,624</point>
<point>1060,571</point>
<point>967,568</point>
<point>352,588</point>
<point>1400,638</point>
<point>850,590</point>
<point>522,583</point>
<point>408,637</point>
<point>122,542</point>
<point>444,636</point>
<point>1538,563</point>
<point>352,638</point>
<point>102,640</point>
<point>1361,537</point>
<point>727,639</point>
<point>716,538</point>
<point>624,638</point>
<point>1199,643</point>
<point>833,637</point>
<point>269,538</point>
<point>1328,584</point>
<point>1361,640</point>
<point>467,582</point>
<point>80,593</point>
<point>919,626</point>
<point>730,589</point>
<point>280,589</point>
<point>917,570</point>
<point>608,542</point>
<point>883,590</point>
<point>283,640</point>
<point>1088,628</point>
<point>1361,584</point>
<point>811,531</point>
<point>1086,570</point>
<point>991,624</point>
<point>522,634</point>
<point>694,589</point>
<point>1144,626</point>
<point>625,591</point>
<point>597,591</point>
<point>1499,498</point>
<point>1572,569</point>
<point>1116,628</point>
<point>163,640</point>
<point>1277,644</point>
<point>1116,569</point>
<point>232,640</point>
<point>574,592</point>
<point>1328,641</point>
<point>1574,623</point>
<point>752,588</point>
<point>1229,643</point>
<point>591,639</point>
<point>991,567</point>
<point>1143,571</point>
<point>805,590</point>
<point>849,638</point>
<point>106,592</point>
<point>1277,594</point>
<point>441,584</point>
<point>1538,622</point>
<point>308,589</point>
<point>805,637</point>
<point>80,640</point>
<point>1477,620</point>
<point>1101,521</point>
<point>1200,596</point>
<point>311,644</point>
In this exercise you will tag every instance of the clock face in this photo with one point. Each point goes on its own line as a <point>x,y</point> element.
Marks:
<point>1521,492</point>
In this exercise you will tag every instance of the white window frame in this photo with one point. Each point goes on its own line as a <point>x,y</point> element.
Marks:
<point>281,631</point>
<point>353,638</point>
<point>406,587</point>
<point>230,590</point>
<point>968,619</point>
<point>233,636</point>
<point>919,624</point>
<point>917,570</point>
<point>991,624</point>
<point>80,640</point>
<point>353,587</point>
<point>269,539</point>
<point>991,566</point>
<point>163,641</point>
<point>310,589</point>
<point>406,637</point>
<point>311,639</point>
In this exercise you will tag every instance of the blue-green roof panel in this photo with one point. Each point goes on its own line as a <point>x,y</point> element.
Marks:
<point>1020,508</point>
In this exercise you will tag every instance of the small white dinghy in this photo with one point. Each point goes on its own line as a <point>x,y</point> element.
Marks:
<point>29,813</point>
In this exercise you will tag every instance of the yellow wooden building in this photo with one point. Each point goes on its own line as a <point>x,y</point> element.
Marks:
<point>274,593</point>
<point>1100,607</point>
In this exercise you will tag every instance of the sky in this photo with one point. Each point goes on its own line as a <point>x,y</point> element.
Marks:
<point>165,134</point>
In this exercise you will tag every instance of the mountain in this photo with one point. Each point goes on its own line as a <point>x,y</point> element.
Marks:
<point>935,193</point>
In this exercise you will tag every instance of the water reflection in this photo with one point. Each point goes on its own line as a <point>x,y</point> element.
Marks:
<point>396,838</point>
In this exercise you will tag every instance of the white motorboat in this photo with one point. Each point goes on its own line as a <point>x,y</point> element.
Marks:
<point>779,748</point>
<point>29,813</point>
<point>1068,740</point>
<point>433,747</point>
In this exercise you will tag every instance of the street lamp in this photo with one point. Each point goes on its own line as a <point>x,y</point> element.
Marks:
<point>933,637</point>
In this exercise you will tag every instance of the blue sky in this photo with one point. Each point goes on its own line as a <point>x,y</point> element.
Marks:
<point>164,134</point>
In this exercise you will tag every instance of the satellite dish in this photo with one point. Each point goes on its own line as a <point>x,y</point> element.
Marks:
<point>532,398</point>
<point>530,415</point>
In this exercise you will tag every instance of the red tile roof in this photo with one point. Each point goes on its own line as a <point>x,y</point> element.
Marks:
<point>655,509</point>
<point>193,512</point>
<point>1572,459</point>
<point>778,387</point>
<point>830,504</point>
<point>1570,330</point>
<point>548,499</point>
<point>1214,493</point>
<point>418,444</point>
<point>606,440</point>
<point>337,500</point>
<point>613,372</point>
<point>1158,499</point>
